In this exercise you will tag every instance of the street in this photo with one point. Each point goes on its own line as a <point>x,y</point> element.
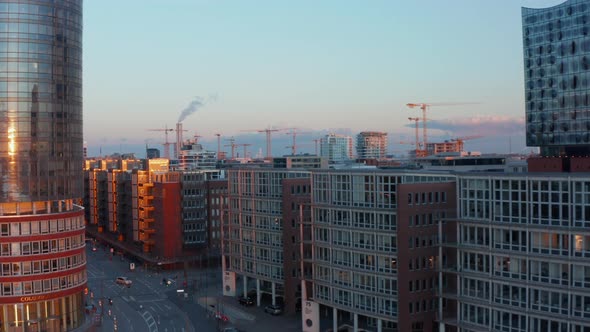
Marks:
<point>145,306</point>
<point>150,305</point>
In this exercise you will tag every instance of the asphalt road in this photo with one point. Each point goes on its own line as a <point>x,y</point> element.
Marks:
<point>145,306</point>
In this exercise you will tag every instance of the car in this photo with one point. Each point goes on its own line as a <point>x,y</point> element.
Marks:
<point>230,329</point>
<point>90,309</point>
<point>246,300</point>
<point>124,281</point>
<point>273,309</point>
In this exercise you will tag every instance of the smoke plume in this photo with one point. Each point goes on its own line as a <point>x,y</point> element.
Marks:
<point>191,108</point>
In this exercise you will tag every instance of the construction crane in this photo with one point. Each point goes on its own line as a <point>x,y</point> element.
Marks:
<point>232,143</point>
<point>461,140</point>
<point>417,139</point>
<point>245,145</point>
<point>166,143</point>
<point>424,107</point>
<point>294,133</point>
<point>268,132</point>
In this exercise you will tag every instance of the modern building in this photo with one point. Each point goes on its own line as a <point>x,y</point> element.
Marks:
<point>345,233</point>
<point>371,145</point>
<point>472,162</point>
<point>375,246</point>
<point>41,157</point>
<point>336,148</point>
<point>216,207</point>
<point>155,214</point>
<point>152,153</point>
<point>519,258</point>
<point>192,155</point>
<point>557,89</point>
<point>300,161</point>
<point>252,233</point>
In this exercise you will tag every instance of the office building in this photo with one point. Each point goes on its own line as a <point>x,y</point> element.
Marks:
<point>152,153</point>
<point>375,246</point>
<point>216,207</point>
<point>252,233</point>
<point>556,68</point>
<point>518,259</point>
<point>371,145</point>
<point>300,161</point>
<point>41,147</point>
<point>336,148</point>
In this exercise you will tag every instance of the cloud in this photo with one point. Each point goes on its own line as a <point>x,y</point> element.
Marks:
<point>481,125</point>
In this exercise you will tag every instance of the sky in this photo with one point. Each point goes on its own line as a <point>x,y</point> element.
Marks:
<point>338,66</point>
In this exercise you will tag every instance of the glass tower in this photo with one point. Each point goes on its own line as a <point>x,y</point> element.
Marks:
<point>43,271</point>
<point>557,78</point>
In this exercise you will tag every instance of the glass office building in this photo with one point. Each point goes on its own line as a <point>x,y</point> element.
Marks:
<point>43,263</point>
<point>556,44</point>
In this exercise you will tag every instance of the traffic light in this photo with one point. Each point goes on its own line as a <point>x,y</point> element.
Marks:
<point>86,291</point>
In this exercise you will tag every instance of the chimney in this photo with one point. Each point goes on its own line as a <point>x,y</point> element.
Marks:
<point>178,140</point>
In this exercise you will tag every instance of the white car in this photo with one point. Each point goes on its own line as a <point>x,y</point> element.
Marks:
<point>124,281</point>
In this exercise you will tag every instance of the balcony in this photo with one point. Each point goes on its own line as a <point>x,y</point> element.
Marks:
<point>149,231</point>
<point>147,208</point>
<point>148,220</point>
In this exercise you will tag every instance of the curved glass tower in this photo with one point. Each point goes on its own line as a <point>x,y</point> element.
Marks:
<point>43,263</point>
<point>557,78</point>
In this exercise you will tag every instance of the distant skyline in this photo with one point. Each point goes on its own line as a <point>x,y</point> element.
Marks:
<point>329,66</point>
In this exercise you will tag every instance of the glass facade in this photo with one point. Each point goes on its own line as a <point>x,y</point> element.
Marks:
<point>371,145</point>
<point>43,269</point>
<point>40,100</point>
<point>522,251</point>
<point>556,44</point>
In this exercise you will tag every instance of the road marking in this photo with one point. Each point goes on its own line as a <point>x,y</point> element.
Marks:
<point>168,307</point>
<point>132,298</point>
<point>125,298</point>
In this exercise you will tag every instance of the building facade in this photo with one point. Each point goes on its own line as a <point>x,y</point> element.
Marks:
<point>216,207</point>
<point>520,252</point>
<point>557,88</point>
<point>371,145</point>
<point>41,147</point>
<point>375,246</point>
<point>252,232</point>
<point>336,148</point>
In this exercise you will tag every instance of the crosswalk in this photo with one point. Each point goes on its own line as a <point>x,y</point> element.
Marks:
<point>150,321</point>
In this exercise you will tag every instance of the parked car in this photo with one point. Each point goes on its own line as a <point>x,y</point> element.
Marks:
<point>124,281</point>
<point>246,300</point>
<point>273,309</point>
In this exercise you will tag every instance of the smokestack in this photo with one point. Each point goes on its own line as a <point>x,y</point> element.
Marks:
<point>178,140</point>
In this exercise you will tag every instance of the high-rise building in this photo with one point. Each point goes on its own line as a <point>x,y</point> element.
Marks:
<point>41,157</point>
<point>556,68</point>
<point>371,145</point>
<point>336,148</point>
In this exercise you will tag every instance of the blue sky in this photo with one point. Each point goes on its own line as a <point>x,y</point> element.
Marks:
<point>319,66</point>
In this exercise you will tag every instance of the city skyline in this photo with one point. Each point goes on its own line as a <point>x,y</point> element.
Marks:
<point>321,68</point>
